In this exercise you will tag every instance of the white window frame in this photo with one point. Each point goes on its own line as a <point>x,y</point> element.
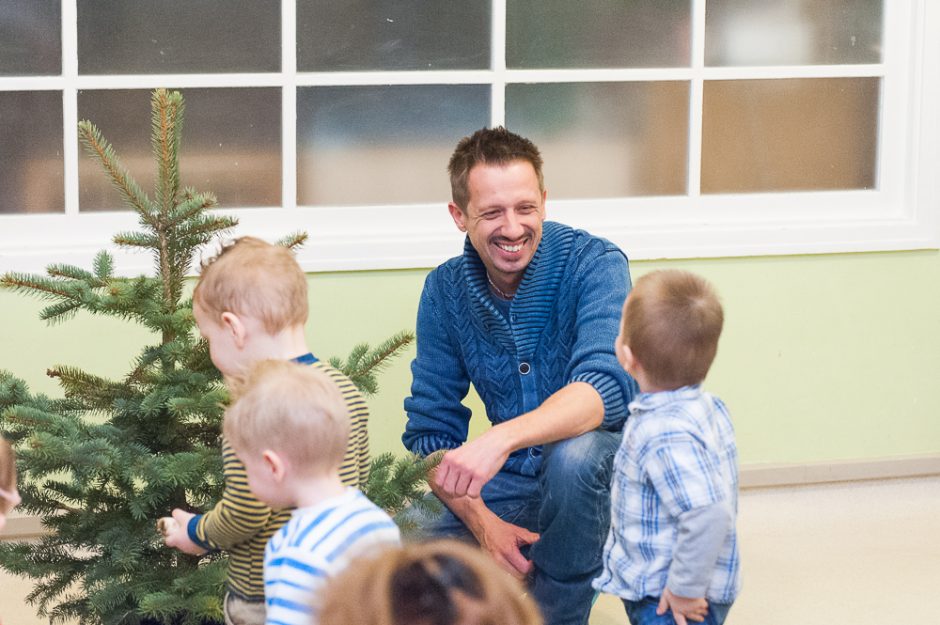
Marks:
<point>901,214</point>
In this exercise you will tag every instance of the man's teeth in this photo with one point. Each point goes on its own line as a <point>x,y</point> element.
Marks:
<point>510,248</point>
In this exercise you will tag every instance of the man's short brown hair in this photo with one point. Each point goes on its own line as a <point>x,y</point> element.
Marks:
<point>489,146</point>
<point>257,279</point>
<point>671,322</point>
<point>293,409</point>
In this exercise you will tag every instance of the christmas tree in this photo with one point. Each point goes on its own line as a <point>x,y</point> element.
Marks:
<point>101,463</point>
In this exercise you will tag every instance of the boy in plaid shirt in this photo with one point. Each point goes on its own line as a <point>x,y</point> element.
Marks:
<point>671,553</point>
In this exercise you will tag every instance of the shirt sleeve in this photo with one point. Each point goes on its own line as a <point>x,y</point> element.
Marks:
<point>437,418</point>
<point>237,517</point>
<point>702,533</point>
<point>603,284</point>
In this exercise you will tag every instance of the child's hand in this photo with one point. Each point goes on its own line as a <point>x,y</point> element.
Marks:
<point>693,609</point>
<point>176,534</point>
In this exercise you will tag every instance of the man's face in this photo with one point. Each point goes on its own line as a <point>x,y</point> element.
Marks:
<point>503,219</point>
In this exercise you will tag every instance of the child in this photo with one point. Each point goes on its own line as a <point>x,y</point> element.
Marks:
<point>251,304</point>
<point>672,544</point>
<point>289,426</point>
<point>442,582</point>
<point>9,496</point>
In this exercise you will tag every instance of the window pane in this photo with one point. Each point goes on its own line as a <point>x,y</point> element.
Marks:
<point>606,139</point>
<point>30,37</point>
<point>793,32</point>
<point>598,33</point>
<point>231,145</point>
<point>789,135</point>
<point>167,36</point>
<point>31,164</point>
<point>392,35</point>
<point>382,145</point>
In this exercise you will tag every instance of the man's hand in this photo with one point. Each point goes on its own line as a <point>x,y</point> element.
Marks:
<point>178,535</point>
<point>465,470</point>
<point>503,541</point>
<point>693,609</point>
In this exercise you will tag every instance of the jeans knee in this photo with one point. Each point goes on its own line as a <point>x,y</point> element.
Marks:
<point>585,460</point>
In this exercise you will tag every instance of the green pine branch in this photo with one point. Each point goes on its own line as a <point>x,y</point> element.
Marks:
<point>363,363</point>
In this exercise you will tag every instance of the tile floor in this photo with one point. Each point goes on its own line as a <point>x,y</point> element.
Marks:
<point>861,552</point>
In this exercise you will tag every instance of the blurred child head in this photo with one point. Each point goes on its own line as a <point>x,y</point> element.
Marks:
<point>9,496</point>
<point>251,287</point>
<point>670,328</point>
<point>434,583</point>
<point>288,421</point>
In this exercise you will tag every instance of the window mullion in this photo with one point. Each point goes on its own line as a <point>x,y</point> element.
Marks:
<point>696,99</point>
<point>70,151</point>
<point>289,104</point>
<point>498,64</point>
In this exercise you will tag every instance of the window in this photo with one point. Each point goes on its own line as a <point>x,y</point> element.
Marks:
<point>682,129</point>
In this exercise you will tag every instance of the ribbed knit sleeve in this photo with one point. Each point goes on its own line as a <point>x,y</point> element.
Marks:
<point>603,281</point>
<point>437,419</point>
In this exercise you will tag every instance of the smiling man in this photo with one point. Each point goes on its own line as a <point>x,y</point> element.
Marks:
<point>528,314</point>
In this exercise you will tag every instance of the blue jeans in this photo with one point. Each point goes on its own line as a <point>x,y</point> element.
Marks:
<point>568,505</point>
<point>643,612</point>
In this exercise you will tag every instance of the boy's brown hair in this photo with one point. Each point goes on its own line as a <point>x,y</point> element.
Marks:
<point>293,409</point>
<point>254,278</point>
<point>671,322</point>
<point>489,146</point>
<point>442,582</point>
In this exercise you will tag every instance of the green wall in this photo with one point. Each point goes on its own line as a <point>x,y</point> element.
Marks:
<point>831,357</point>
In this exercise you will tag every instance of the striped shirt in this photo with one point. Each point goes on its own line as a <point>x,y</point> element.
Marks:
<point>316,544</point>
<point>242,525</point>
<point>674,475</point>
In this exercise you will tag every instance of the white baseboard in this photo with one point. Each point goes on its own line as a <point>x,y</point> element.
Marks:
<point>752,476</point>
<point>769,475</point>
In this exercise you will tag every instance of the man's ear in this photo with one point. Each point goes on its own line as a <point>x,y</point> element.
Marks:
<point>235,327</point>
<point>457,214</point>
<point>275,464</point>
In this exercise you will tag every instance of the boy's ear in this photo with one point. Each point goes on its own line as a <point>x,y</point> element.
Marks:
<point>275,463</point>
<point>235,327</point>
<point>626,357</point>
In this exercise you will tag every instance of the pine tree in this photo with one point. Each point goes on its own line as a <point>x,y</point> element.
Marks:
<point>101,463</point>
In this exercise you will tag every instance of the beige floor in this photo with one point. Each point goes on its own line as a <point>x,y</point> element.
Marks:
<point>865,553</point>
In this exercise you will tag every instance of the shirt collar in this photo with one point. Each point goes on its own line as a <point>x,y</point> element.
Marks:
<point>645,402</point>
<point>306,359</point>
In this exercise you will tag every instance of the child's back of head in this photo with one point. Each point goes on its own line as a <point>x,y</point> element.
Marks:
<point>671,322</point>
<point>250,277</point>
<point>293,409</point>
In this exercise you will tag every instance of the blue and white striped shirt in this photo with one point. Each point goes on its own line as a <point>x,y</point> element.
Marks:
<point>316,544</point>
<point>674,498</point>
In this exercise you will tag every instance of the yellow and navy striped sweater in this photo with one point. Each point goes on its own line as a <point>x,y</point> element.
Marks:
<point>242,525</point>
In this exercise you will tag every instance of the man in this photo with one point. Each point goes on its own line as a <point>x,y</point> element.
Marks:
<point>528,314</point>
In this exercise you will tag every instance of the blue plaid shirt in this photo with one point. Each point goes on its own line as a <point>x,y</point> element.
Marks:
<point>678,457</point>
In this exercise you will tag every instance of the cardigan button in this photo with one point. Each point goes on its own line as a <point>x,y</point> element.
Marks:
<point>524,368</point>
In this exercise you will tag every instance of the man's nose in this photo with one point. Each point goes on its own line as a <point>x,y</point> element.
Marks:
<point>512,225</point>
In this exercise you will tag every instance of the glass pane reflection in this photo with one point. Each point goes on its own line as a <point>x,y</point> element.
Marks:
<point>792,32</point>
<point>231,144</point>
<point>31,163</point>
<point>392,35</point>
<point>382,144</point>
<point>790,135</point>
<point>606,139</point>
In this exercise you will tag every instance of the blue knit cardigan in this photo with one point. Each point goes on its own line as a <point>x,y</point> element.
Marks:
<point>561,329</point>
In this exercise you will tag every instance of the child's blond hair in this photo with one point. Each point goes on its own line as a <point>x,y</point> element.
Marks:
<point>293,409</point>
<point>254,278</point>
<point>441,582</point>
<point>671,322</point>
